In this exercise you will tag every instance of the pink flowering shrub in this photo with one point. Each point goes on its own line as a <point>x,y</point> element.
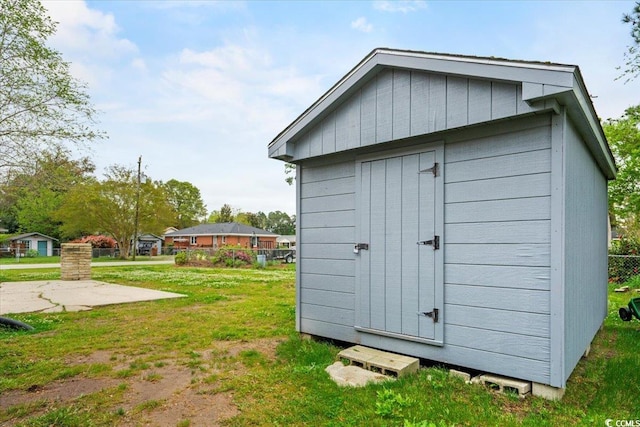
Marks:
<point>233,257</point>
<point>97,241</point>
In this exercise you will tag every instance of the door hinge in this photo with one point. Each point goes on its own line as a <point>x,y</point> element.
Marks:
<point>432,314</point>
<point>433,169</point>
<point>435,242</point>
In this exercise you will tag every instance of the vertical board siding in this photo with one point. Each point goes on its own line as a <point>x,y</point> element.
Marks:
<point>497,234</point>
<point>325,252</point>
<point>505,99</point>
<point>396,104</point>
<point>368,114</point>
<point>479,99</point>
<point>377,238</point>
<point>410,259</point>
<point>315,141</point>
<point>457,102</point>
<point>384,106</point>
<point>329,134</point>
<point>585,283</point>
<point>393,229</point>
<point>437,103</point>
<point>419,103</point>
<point>401,104</point>
<point>397,277</point>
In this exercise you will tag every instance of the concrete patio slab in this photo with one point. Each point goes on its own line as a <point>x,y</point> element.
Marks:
<point>77,295</point>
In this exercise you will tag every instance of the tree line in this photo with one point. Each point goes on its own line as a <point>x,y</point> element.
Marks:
<point>45,113</point>
<point>60,197</point>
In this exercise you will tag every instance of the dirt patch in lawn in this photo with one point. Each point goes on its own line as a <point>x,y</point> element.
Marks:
<point>266,346</point>
<point>162,394</point>
<point>58,391</point>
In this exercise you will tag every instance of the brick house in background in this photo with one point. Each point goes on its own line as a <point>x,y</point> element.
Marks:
<point>221,234</point>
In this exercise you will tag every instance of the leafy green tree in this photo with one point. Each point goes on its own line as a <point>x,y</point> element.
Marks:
<point>109,207</point>
<point>32,196</point>
<point>250,218</point>
<point>632,55</point>
<point>41,104</point>
<point>186,201</point>
<point>624,192</point>
<point>225,214</point>
<point>262,220</point>
<point>290,172</point>
<point>281,223</point>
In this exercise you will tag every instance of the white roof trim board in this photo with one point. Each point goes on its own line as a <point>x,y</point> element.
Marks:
<point>541,82</point>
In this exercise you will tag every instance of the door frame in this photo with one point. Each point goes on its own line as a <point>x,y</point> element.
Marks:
<point>438,147</point>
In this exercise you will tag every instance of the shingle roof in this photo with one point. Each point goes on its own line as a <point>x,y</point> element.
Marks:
<point>223,228</point>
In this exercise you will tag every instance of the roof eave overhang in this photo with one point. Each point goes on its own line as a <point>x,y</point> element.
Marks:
<point>580,109</point>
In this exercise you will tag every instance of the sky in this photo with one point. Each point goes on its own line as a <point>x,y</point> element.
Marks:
<point>200,88</point>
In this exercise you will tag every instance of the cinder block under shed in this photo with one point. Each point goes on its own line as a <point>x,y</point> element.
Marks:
<point>504,384</point>
<point>380,361</point>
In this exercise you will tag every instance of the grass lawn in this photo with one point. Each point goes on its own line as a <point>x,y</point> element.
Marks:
<point>56,259</point>
<point>228,355</point>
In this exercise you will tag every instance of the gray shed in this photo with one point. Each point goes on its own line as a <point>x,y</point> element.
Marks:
<point>454,208</point>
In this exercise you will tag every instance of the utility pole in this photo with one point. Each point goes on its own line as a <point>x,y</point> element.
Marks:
<point>137,219</point>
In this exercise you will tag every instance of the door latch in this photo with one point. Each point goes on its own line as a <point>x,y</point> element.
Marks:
<point>360,247</point>
<point>432,314</point>
<point>435,242</point>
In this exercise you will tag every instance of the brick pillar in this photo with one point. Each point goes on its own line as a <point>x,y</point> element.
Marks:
<point>75,261</point>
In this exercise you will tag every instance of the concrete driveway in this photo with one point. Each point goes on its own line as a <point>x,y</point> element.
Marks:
<point>49,296</point>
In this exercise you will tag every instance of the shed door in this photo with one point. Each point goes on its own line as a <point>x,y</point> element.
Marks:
<point>42,247</point>
<point>400,274</point>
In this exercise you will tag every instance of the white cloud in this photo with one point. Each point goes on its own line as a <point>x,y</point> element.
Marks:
<point>400,6</point>
<point>139,64</point>
<point>86,30</point>
<point>89,39</point>
<point>361,24</point>
<point>238,82</point>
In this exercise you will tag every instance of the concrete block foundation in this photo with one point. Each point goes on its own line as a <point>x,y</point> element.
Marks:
<point>547,392</point>
<point>380,361</point>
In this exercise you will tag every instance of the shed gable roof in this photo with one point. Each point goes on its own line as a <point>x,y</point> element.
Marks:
<point>25,235</point>
<point>525,87</point>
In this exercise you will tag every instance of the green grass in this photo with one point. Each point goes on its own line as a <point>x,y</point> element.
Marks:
<point>240,305</point>
<point>34,260</point>
<point>56,259</point>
